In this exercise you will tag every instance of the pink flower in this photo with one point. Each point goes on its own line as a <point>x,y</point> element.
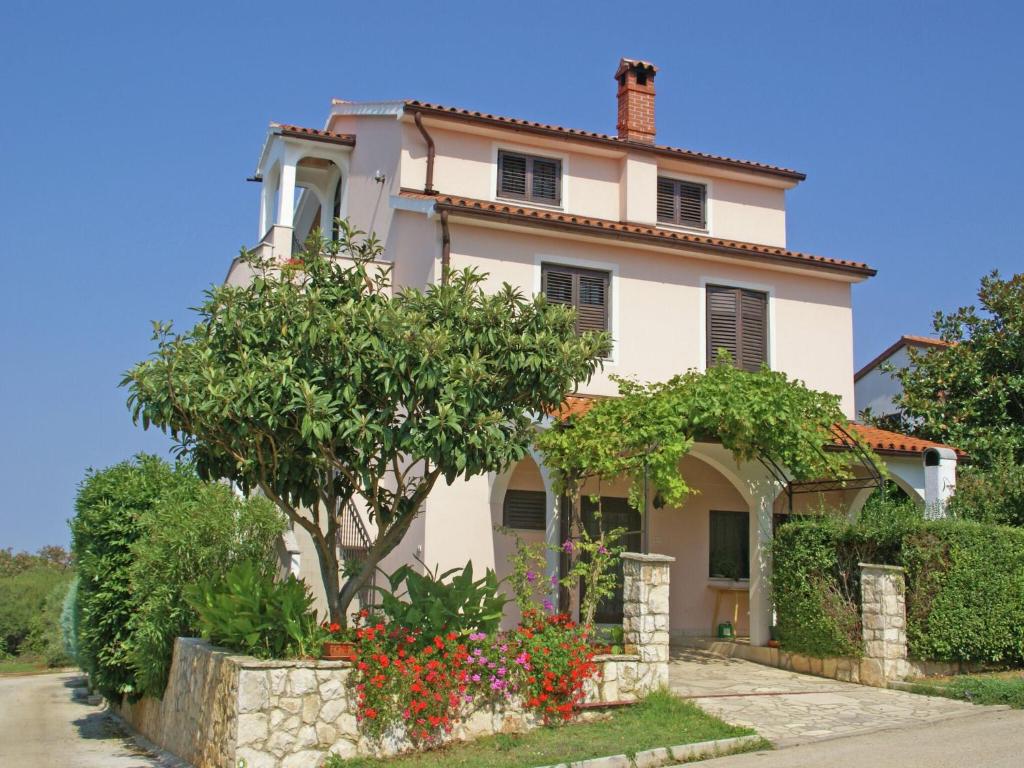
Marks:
<point>567,546</point>
<point>531,576</point>
<point>549,606</point>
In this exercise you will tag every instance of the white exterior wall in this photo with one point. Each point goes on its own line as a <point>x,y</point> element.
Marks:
<point>877,389</point>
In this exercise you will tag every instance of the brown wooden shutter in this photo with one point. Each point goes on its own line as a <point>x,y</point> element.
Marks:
<point>525,510</point>
<point>592,302</point>
<point>583,289</point>
<point>511,175</point>
<point>721,322</point>
<point>525,177</point>
<point>682,202</point>
<point>546,182</point>
<point>667,201</point>
<point>691,204</point>
<point>753,330</point>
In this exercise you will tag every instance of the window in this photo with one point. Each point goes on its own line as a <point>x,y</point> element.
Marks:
<point>530,178</point>
<point>729,556</point>
<point>615,513</point>
<point>737,321</point>
<point>586,290</point>
<point>525,510</point>
<point>682,202</point>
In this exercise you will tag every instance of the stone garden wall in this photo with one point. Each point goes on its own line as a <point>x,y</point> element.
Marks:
<point>220,708</point>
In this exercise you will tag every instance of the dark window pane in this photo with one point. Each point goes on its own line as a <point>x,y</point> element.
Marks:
<point>615,513</point>
<point>729,555</point>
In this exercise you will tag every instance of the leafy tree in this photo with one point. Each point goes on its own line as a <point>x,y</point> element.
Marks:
<point>642,435</point>
<point>24,600</point>
<point>319,386</point>
<point>971,393</point>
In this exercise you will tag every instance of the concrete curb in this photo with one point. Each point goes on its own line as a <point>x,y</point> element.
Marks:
<point>667,756</point>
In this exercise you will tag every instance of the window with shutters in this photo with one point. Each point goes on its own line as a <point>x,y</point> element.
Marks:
<point>682,202</point>
<point>530,178</point>
<point>586,290</point>
<point>525,510</point>
<point>737,322</point>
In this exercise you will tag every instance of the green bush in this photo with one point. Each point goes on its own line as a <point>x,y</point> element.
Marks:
<point>965,596</point>
<point>196,530</point>
<point>965,583</point>
<point>246,610</point>
<point>449,602</point>
<point>26,605</point>
<point>44,638</point>
<point>143,532</point>
<point>815,600</point>
<point>990,495</point>
<point>109,509</point>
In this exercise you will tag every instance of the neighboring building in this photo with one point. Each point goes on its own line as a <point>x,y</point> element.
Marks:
<point>876,390</point>
<point>676,252</point>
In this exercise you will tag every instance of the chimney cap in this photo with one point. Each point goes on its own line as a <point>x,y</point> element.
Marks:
<point>627,64</point>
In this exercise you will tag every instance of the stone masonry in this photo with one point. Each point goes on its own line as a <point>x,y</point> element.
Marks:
<point>645,613</point>
<point>884,621</point>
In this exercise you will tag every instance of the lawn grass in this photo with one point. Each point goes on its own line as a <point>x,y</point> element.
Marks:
<point>661,720</point>
<point>22,665</point>
<point>985,688</point>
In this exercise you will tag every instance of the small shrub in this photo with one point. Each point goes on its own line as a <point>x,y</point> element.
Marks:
<point>248,611</point>
<point>197,530</point>
<point>438,604</point>
<point>990,495</point>
<point>44,638</point>
<point>26,606</point>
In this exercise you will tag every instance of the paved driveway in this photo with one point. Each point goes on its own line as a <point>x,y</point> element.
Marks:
<point>43,724</point>
<point>788,708</point>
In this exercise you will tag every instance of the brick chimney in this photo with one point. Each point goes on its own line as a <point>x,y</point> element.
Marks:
<point>636,100</point>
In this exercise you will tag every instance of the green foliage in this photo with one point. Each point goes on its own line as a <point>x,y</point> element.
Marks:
<point>246,610</point>
<point>438,604</point>
<point>12,563</point>
<point>69,622</point>
<point>816,610</point>
<point>321,386</point>
<point>108,509</point>
<point>44,638</point>
<point>979,689</point>
<point>965,582</point>
<point>643,434</point>
<point>26,606</point>
<point>993,494</point>
<point>528,563</point>
<point>971,393</point>
<point>964,585</point>
<point>143,532</point>
<point>196,530</point>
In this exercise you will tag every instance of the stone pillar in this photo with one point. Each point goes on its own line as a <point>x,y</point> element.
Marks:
<point>645,616</point>
<point>884,622</point>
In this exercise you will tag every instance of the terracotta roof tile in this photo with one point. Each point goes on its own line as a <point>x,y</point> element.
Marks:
<point>640,232</point>
<point>314,133</point>
<point>902,341</point>
<point>575,133</point>
<point>880,440</point>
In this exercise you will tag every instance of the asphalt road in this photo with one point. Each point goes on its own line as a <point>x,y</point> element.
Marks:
<point>43,724</point>
<point>992,738</point>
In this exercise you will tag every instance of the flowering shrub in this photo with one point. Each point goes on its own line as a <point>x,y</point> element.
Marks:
<point>407,680</point>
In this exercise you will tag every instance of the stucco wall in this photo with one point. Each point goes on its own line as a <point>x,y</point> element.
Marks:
<point>876,389</point>
<point>658,306</point>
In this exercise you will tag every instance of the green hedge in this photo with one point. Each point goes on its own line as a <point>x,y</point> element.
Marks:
<point>965,586</point>
<point>965,593</point>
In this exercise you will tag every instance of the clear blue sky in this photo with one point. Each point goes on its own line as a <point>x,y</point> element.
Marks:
<point>128,129</point>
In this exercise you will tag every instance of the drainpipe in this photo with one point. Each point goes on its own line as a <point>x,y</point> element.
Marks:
<point>446,247</point>
<point>428,188</point>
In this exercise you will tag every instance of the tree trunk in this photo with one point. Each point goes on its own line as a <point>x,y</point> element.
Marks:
<point>329,575</point>
<point>378,551</point>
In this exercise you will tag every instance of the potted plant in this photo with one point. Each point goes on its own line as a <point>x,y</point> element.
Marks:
<point>339,643</point>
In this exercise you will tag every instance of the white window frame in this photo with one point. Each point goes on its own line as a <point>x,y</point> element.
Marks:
<point>542,152</point>
<point>702,319</point>
<point>708,183</point>
<point>612,268</point>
